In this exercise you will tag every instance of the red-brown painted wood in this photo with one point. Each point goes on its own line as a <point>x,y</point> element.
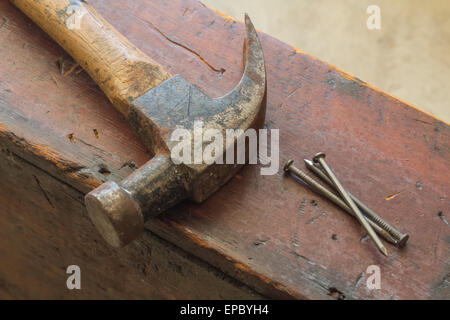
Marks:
<point>269,232</point>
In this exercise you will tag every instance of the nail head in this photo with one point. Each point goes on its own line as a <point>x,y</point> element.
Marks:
<point>318,156</point>
<point>287,165</point>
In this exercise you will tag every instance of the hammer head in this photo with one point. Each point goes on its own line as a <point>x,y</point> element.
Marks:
<point>119,210</point>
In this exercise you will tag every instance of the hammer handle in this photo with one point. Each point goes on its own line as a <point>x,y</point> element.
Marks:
<point>121,70</point>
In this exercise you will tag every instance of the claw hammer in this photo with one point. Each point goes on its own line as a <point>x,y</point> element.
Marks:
<point>155,104</point>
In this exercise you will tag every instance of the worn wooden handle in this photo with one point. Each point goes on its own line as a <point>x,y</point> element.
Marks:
<point>121,70</point>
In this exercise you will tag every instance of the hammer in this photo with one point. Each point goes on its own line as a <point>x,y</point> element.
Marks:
<point>155,105</point>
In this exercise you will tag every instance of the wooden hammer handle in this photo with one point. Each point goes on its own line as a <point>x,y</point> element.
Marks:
<point>121,70</point>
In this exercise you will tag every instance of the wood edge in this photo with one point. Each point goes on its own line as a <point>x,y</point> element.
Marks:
<point>349,76</point>
<point>343,73</point>
<point>69,168</point>
<point>227,264</point>
<point>220,13</point>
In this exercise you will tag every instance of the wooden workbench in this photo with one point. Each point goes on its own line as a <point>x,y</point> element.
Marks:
<point>259,236</point>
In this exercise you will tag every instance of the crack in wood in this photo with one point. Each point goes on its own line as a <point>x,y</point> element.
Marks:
<point>5,22</point>
<point>95,148</point>
<point>359,280</point>
<point>25,161</point>
<point>314,219</point>
<point>43,191</point>
<point>220,71</point>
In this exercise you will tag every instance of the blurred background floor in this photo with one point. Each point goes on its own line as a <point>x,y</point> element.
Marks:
<point>408,57</point>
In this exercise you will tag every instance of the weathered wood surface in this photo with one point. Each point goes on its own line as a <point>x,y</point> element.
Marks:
<point>269,233</point>
<point>45,229</point>
<point>120,69</point>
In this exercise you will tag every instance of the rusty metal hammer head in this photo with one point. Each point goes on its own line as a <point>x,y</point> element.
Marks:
<point>119,210</point>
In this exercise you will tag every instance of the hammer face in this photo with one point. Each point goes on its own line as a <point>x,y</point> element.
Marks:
<point>115,213</point>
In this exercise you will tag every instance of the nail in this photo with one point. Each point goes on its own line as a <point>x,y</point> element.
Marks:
<point>401,237</point>
<point>317,187</point>
<point>320,158</point>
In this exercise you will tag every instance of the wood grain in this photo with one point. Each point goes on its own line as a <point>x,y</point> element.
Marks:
<point>45,228</point>
<point>121,70</point>
<point>268,232</point>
